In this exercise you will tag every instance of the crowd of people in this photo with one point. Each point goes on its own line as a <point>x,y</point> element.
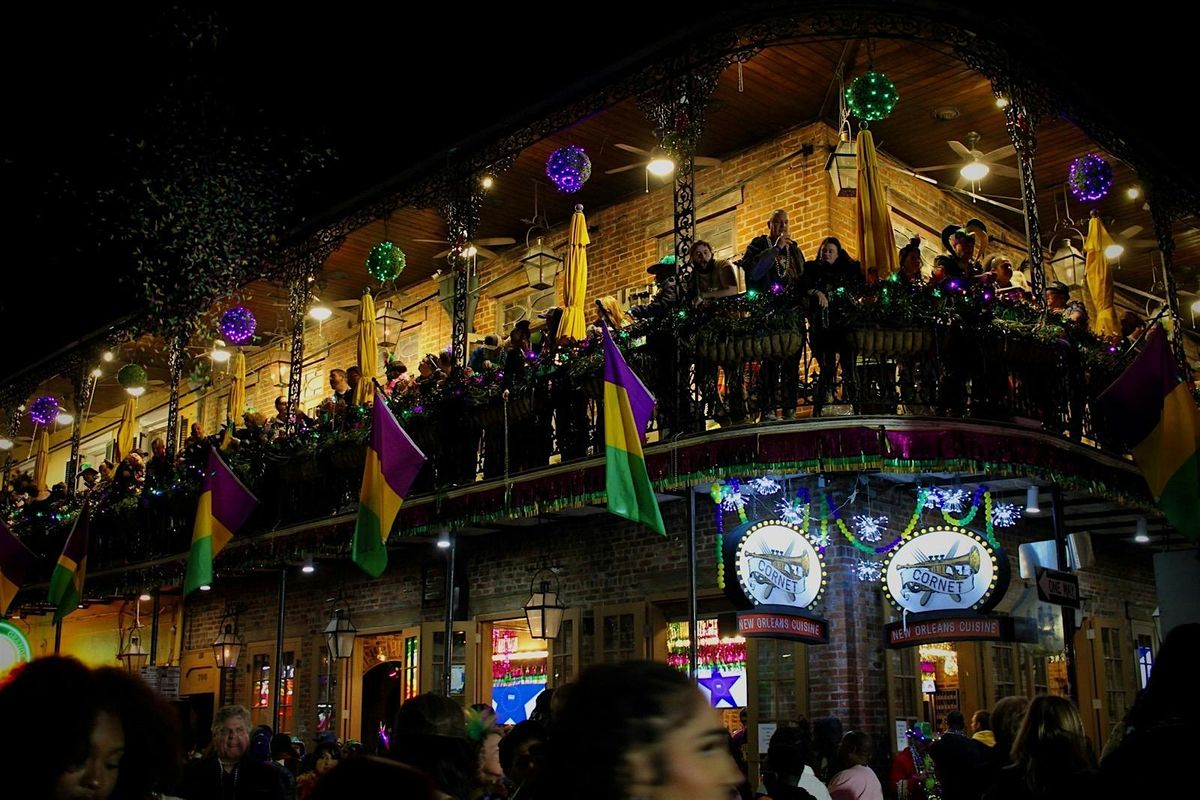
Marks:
<point>621,732</point>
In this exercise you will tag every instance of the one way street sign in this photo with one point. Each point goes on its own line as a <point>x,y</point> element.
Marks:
<point>1060,588</point>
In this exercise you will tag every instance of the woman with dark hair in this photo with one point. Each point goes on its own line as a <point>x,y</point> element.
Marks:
<point>787,772</point>
<point>1051,756</point>
<point>430,734</point>
<point>1153,756</point>
<point>97,733</point>
<point>638,729</point>
<point>856,781</point>
<point>833,273</point>
<point>1006,719</point>
<point>325,758</point>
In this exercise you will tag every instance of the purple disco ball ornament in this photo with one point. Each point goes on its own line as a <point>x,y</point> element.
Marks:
<point>43,410</point>
<point>1090,177</point>
<point>569,168</point>
<point>237,325</point>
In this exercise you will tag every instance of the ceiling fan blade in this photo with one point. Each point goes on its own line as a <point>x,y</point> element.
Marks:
<point>631,149</point>
<point>432,241</point>
<point>442,254</point>
<point>960,150</point>
<point>344,303</point>
<point>706,161</point>
<point>622,169</point>
<point>961,183</point>
<point>999,154</point>
<point>1004,170</point>
<point>939,166</point>
<point>1130,232</point>
<point>495,241</point>
<point>483,252</point>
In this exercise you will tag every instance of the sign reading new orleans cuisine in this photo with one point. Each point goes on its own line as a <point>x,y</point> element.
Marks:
<point>944,568</point>
<point>773,570</point>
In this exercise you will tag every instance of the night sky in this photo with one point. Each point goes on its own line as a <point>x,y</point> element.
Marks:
<point>379,89</point>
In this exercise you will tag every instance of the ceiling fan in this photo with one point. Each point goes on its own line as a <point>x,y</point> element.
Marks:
<point>656,162</point>
<point>479,246</point>
<point>975,164</point>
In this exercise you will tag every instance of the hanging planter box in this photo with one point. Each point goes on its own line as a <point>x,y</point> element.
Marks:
<point>893,341</point>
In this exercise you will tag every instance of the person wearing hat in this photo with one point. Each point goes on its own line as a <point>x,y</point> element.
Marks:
<point>979,232</point>
<point>674,404</point>
<point>958,264</point>
<point>91,476</point>
<point>1056,296</point>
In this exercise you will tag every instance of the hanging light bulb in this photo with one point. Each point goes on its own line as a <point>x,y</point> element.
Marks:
<point>1143,535</point>
<point>108,356</point>
<point>1001,102</point>
<point>660,166</point>
<point>487,181</point>
<point>145,597</point>
<point>1133,193</point>
<point>1031,501</point>
<point>320,313</point>
<point>444,539</point>
<point>96,373</point>
<point>309,567</point>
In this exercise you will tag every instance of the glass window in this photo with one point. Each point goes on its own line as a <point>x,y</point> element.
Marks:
<point>563,669</point>
<point>1114,674</point>
<point>617,641</point>
<point>1145,659</point>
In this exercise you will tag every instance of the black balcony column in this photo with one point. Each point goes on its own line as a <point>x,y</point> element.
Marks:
<point>1164,216</point>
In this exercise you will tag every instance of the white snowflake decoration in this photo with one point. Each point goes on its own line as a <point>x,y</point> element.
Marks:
<point>733,501</point>
<point>933,498</point>
<point>869,529</point>
<point>794,512</point>
<point>866,570</point>
<point>951,500</point>
<point>821,540</point>
<point>1005,515</point>
<point>764,486</point>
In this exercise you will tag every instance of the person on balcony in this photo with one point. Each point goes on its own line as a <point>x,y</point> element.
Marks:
<point>775,267</point>
<point>672,390</point>
<point>279,423</point>
<point>834,273</point>
<point>487,355</point>
<point>958,266</point>
<point>909,273</point>
<point>979,233</point>
<point>610,311</point>
<point>713,279</point>
<point>343,393</point>
<point>353,376</point>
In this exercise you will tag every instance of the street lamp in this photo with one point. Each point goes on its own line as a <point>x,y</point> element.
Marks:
<point>543,611</point>
<point>339,634</point>
<point>842,166</point>
<point>541,265</point>
<point>227,646</point>
<point>134,654</point>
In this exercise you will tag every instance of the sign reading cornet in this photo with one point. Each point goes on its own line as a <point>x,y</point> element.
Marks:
<point>945,568</point>
<point>773,564</point>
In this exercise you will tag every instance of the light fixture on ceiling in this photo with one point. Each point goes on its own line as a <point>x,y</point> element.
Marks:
<point>64,418</point>
<point>1114,250</point>
<point>1143,535</point>
<point>974,171</point>
<point>204,587</point>
<point>1133,192</point>
<point>487,181</point>
<point>1001,102</point>
<point>219,354</point>
<point>145,597</point>
<point>946,113</point>
<point>660,165</point>
<point>108,356</point>
<point>1031,501</point>
<point>309,567</point>
<point>320,313</point>
<point>6,443</point>
<point>96,373</point>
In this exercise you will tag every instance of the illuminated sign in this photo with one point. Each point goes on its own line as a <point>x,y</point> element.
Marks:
<point>773,563</point>
<point>775,571</point>
<point>945,568</point>
<point>14,647</point>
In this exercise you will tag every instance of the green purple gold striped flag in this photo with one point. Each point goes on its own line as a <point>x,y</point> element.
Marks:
<point>1154,413</point>
<point>16,565</point>
<point>66,584</point>
<point>393,461</point>
<point>224,506</point>
<point>627,409</point>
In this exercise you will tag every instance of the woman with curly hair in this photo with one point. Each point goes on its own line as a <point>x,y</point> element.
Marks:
<point>96,734</point>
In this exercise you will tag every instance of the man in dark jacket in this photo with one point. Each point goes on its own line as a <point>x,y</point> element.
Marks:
<point>230,773</point>
<point>961,762</point>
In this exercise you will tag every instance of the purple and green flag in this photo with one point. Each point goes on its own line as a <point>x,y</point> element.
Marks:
<point>66,583</point>
<point>1154,413</point>
<point>16,565</point>
<point>225,505</point>
<point>393,462</point>
<point>627,409</point>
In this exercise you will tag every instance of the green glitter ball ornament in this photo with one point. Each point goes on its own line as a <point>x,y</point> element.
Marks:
<point>871,96</point>
<point>385,262</point>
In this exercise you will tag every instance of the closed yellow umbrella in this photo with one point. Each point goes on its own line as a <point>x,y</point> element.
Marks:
<point>574,321</point>
<point>237,390</point>
<point>127,429</point>
<point>1099,280</point>
<point>876,240</point>
<point>368,358</point>
<point>42,465</point>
